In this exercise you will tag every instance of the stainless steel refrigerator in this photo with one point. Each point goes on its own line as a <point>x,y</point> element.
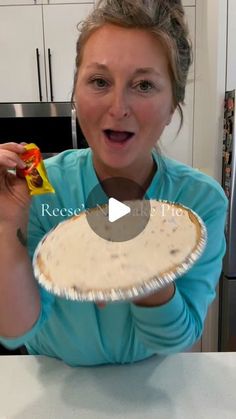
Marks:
<point>227,332</point>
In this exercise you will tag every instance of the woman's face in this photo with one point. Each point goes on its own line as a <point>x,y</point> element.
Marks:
<point>123,95</point>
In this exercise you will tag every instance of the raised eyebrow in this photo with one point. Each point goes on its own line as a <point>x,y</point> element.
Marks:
<point>147,70</point>
<point>97,65</point>
<point>139,71</point>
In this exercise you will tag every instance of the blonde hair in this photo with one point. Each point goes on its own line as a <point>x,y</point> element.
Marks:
<point>163,18</point>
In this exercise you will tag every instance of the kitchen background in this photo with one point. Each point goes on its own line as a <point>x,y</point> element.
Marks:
<point>37,47</point>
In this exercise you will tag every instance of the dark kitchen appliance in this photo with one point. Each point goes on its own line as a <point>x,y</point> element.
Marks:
<point>227,332</point>
<point>52,126</point>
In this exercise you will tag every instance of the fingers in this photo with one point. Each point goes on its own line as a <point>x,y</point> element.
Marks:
<point>14,147</point>
<point>10,160</point>
<point>9,156</point>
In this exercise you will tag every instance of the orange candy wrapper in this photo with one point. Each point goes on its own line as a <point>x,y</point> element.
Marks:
<point>35,172</point>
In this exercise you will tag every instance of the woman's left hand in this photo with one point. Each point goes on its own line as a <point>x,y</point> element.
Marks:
<point>157,299</point>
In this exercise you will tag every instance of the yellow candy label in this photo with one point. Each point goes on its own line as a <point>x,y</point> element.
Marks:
<point>35,172</point>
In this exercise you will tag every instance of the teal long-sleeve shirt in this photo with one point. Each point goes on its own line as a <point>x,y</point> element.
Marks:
<point>81,333</point>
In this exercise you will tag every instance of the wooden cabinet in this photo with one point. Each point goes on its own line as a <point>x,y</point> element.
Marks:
<point>30,38</point>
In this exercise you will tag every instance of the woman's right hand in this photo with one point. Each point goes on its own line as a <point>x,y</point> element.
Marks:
<point>14,194</point>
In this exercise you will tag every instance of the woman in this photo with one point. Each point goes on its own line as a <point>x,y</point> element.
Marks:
<point>131,70</point>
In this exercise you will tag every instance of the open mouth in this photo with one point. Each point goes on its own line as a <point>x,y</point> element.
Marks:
<point>118,136</point>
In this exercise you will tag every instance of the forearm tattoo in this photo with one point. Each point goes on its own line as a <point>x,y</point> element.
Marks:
<point>21,237</point>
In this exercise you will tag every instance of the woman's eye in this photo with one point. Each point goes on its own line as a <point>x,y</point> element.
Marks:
<point>145,86</point>
<point>100,83</point>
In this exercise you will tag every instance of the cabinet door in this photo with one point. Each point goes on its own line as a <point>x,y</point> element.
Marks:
<point>231,55</point>
<point>188,2</point>
<point>181,147</point>
<point>20,35</point>
<point>69,1</point>
<point>61,33</point>
<point>13,2</point>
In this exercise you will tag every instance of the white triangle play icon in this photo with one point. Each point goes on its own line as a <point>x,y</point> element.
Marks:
<point>117,210</point>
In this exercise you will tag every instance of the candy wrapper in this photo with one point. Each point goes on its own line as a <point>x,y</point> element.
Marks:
<point>35,172</point>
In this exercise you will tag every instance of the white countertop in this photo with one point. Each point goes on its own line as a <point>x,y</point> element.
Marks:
<point>183,386</point>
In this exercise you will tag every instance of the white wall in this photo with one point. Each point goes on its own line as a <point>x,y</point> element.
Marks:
<point>211,29</point>
<point>210,74</point>
<point>231,49</point>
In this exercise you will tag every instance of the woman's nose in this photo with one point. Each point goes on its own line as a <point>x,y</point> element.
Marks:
<point>119,106</point>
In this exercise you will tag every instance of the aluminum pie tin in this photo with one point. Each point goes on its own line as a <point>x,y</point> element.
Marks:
<point>141,289</point>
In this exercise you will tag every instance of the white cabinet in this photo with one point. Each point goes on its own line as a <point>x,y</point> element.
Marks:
<point>18,70</point>
<point>68,1</point>
<point>189,2</point>
<point>22,2</point>
<point>28,35</point>
<point>36,2</point>
<point>181,147</point>
<point>231,47</point>
<point>61,33</point>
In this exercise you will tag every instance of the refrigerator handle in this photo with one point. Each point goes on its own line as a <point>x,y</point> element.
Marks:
<point>50,74</point>
<point>39,75</point>
<point>73,127</point>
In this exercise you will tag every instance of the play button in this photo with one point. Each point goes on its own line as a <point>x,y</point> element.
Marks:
<point>117,209</point>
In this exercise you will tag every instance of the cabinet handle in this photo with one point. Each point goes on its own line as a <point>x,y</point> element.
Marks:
<point>50,74</point>
<point>39,76</point>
